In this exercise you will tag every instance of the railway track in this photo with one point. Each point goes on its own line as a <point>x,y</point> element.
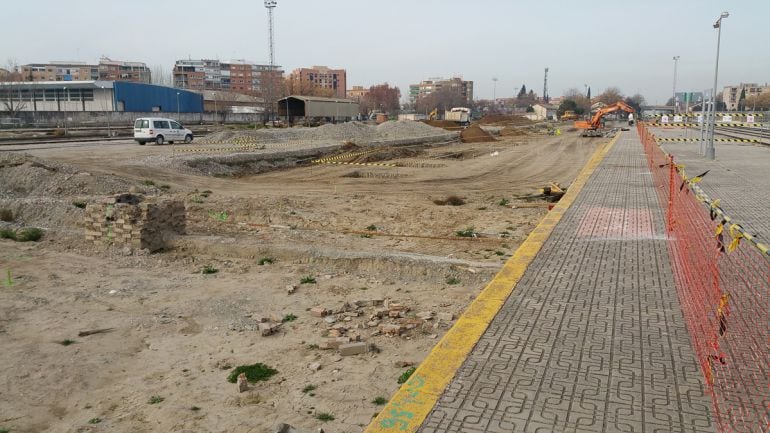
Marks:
<point>762,134</point>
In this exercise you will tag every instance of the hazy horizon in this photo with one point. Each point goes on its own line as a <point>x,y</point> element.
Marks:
<point>602,44</point>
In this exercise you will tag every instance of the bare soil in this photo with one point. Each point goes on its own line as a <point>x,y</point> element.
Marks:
<point>362,232</point>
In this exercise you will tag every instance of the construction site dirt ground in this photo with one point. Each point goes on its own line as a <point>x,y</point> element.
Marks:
<point>173,334</point>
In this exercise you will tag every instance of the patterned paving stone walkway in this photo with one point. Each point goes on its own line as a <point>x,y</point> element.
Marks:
<point>592,338</point>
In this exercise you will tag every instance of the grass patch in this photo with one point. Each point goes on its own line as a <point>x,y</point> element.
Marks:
<point>155,399</point>
<point>406,375</point>
<point>309,279</point>
<point>470,232</point>
<point>148,182</point>
<point>366,235</point>
<point>6,215</point>
<point>79,204</point>
<point>3,430</point>
<point>31,234</point>
<point>195,408</point>
<point>266,261</point>
<point>499,253</point>
<point>308,388</point>
<point>380,401</point>
<point>503,202</point>
<point>94,420</point>
<point>208,269</point>
<point>453,280</point>
<point>7,234</point>
<point>66,342</point>
<point>323,417</point>
<point>254,373</point>
<point>196,199</point>
<point>312,346</point>
<point>289,318</point>
<point>371,227</point>
<point>219,216</point>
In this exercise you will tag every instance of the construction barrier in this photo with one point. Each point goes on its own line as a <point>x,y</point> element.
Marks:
<point>722,275</point>
<point>698,113</point>
<point>719,140</point>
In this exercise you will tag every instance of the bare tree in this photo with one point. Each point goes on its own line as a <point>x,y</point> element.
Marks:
<point>161,77</point>
<point>610,96</point>
<point>381,97</point>
<point>443,99</point>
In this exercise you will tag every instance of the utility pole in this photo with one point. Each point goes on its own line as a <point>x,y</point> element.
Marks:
<point>270,5</point>
<point>674,101</point>
<point>545,87</point>
<point>710,148</point>
<point>494,93</point>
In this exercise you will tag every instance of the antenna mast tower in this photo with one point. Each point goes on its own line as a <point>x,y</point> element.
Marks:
<point>545,87</point>
<point>270,5</point>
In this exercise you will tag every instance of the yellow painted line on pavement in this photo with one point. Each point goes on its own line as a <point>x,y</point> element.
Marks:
<point>408,408</point>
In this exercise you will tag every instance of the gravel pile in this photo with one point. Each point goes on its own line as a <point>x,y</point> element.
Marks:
<point>356,132</point>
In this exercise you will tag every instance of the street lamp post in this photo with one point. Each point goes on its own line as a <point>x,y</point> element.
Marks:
<point>710,154</point>
<point>674,101</point>
<point>63,95</point>
<point>177,107</point>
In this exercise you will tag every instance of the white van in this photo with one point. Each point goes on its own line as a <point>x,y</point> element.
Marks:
<point>160,130</point>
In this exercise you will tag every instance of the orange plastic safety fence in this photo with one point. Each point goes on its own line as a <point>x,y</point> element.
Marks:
<point>724,289</point>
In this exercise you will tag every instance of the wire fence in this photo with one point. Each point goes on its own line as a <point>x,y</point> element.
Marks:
<point>722,274</point>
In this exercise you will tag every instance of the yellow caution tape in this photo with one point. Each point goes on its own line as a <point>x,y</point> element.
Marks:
<point>736,235</point>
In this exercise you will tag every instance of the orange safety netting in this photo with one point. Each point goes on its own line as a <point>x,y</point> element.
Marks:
<point>722,275</point>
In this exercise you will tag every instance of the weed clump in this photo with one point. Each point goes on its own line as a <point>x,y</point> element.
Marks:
<point>266,261</point>
<point>406,375</point>
<point>31,234</point>
<point>289,318</point>
<point>208,269</point>
<point>155,399</point>
<point>453,280</point>
<point>309,388</point>
<point>6,215</point>
<point>380,401</point>
<point>309,279</point>
<point>323,417</point>
<point>470,232</point>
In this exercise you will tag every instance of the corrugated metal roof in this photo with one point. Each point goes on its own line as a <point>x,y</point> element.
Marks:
<point>319,99</point>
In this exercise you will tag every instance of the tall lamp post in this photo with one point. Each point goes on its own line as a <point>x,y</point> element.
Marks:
<point>177,107</point>
<point>494,94</point>
<point>710,154</point>
<point>674,101</point>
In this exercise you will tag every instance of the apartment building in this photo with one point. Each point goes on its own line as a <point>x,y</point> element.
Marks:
<point>106,70</point>
<point>60,71</point>
<point>321,77</point>
<point>118,70</point>
<point>239,76</point>
<point>357,93</point>
<point>731,95</point>
<point>426,87</point>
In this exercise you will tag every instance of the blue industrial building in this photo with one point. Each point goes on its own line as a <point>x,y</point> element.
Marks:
<point>100,96</point>
<point>144,98</point>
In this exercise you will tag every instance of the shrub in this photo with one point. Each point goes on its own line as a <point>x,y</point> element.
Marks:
<point>94,420</point>
<point>308,388</point>
<point>467,233</point>
<point>6,215</point>
<point>66,342</point>
<point>323,417</point>
<point>503,202</point>
<point>309,279</point>
<point>371,227</point>
<point>79,204</point>
<point>453,280</point>
<point>289,318</point>
<point>31,234</point>
<point>7,234</point>
<point>254,373</point>
<point>380,400</point>
<point>266,261</point>
<point>208,269</point>
<point>148,182</point>
<point>155,399</point>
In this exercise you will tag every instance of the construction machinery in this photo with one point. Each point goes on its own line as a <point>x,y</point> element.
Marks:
<point>459,115</point>
<point>433,115</point>
<point>592,128</point>
<point>569,115</point>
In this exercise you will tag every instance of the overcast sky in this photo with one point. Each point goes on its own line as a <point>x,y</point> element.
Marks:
<point>600,43</point>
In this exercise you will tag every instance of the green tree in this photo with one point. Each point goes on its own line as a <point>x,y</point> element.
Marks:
<point>566,105</point>
<point>742,100</point>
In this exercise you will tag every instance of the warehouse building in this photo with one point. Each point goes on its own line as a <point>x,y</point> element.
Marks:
<point>317,108</point>
<point>97,96</point>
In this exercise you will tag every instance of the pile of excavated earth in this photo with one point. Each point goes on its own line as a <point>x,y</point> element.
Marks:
<point>354,132</point>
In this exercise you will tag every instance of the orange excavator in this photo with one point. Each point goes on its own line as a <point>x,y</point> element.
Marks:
<point>591,128</point>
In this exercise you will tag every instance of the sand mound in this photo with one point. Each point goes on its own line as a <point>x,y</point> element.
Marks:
<point>474,134</point>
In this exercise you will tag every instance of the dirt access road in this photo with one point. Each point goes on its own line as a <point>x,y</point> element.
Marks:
<point>362,233</point>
